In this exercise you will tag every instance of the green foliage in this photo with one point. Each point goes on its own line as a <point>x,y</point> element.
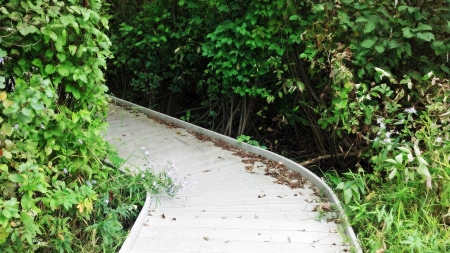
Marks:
<point>403,204</point>
<point>52,118</point>
<point>249,140</point>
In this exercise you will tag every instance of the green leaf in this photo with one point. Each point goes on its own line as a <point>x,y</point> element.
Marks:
<point>4,167</point>
<point>369,27</point>
<point>37,105</point>
<point>37,62</point>
<point>7,129</point>
<point>181,2</point>
<point>427,36</point>
<point>380,48</point>
<point>64,70</point>
<point>3,53</point>
<point>16,178</point>
<point>49,69</point>
<point>75,117</point>
<point>6,213</point>
<point>407,33</point>
<point>26,111</point>
<point>423,27</point>
<point>294,17</point>
<point>368,43</point>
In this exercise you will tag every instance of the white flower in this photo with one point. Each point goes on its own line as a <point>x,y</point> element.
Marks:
<point>146,153</point>
<point>382,125</point>
<point>142,148</point>
<point>438,140</point>
<point>65,171</point>
<point>42,126</point>
<point>411,110</point>
<point>80,141</point>
<point>380,120</point>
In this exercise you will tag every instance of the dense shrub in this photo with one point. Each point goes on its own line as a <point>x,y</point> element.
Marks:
<point>52,112</point>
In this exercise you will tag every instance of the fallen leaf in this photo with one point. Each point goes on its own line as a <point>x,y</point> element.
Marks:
<point>163,216</point>
<point>145,224</point>
<point>174,218</point>
<point>259,233</point>
<point>224,217</point>
<point>280,197</point>
<point>295,194</point>
<point>261,196</point>
<point>289,239</point>
<point>256,216</point>
<point>206,238</point>
<point>202,210</point>
<point>227,241</point>
<point>240,216</point>
<point>206,170</point>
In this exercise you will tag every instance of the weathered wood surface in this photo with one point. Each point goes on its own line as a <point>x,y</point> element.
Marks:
<point>231,209</point>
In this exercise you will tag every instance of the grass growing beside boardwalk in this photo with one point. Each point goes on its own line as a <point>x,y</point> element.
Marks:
<point>403,203</point>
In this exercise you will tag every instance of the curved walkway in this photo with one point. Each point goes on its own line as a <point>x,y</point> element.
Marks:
<point>236,206</point>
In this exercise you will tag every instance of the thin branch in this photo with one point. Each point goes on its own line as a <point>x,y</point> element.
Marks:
<point>325,157</point>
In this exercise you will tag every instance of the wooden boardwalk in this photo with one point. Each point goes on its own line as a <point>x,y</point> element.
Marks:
<point>234,207</point>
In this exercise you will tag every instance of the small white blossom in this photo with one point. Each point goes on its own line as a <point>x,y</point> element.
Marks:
<point>146,153</point>
<point>42,126</point>
<point>438,140</point>
<point>142,148</point>
<point>65,171</point>
<point>411,110</point>
<point>80,141</point>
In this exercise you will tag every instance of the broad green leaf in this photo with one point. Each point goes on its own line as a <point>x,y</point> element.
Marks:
<point>26,111</point>
<point>37,105</point>
<point>369,27</point>
<point>427,36</point>
<point>4,167</point>
<point>368,43</point>
<point>423,27</point>
<point>64,70</point>
<point>380,48</point>
<point>7,129</point>
<point>49,69</point>
<point>37,62</point>
<point>3,53</point>
<point>294,17</point>
<point>72,49</point>
<point>6,213</point>
<point>75,117</point>
<point>407,33</point>
<point>16,178</point>
<point>181,2</point>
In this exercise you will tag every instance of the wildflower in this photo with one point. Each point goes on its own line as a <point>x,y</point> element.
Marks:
<point>94,181</point>
<point>65,171</point>
<point>382,125</point>
<point>2,60</point>
<point>438,140</point>
<point>143,176</point>
<point>42,126</point>
<point>16,126</point>
<point>88,183</point>
<point>107,201</point>
<point>80,141</point>
<point>411,110</point>
<point>142,148</point>
<point>154,183</point>
<point>146,153</point>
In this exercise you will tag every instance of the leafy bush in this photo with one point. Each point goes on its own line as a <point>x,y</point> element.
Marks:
<point>52,118</point>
